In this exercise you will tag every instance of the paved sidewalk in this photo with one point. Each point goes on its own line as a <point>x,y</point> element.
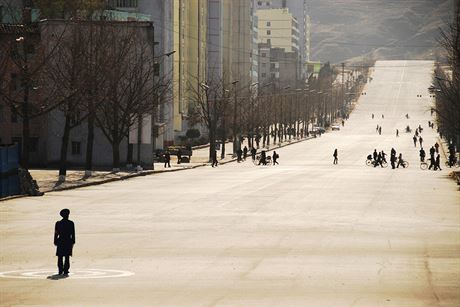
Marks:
<point>48,179</point>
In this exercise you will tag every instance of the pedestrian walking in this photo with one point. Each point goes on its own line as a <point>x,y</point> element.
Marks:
<point>380,130</point>
<point>422,155</point>
<point>179,156</point>
<point>415,141</point>
<point>372,115</point>
<point>263,158</point>
<point>239,155</point>
<point>420,140</point>
<point>275,158</point>
<point>375,155</point>
<point>383,116</point>
<point>432,160</point>
<point>253,153</point>
<point>397,132</point>
<point>335,155</point>
<point>377,129</point>
<point>214,159</point>
<point>167,158</point>
<point>64,240</point>
<point>437,163</point>
<point>436,146</point>
<point>343,123</point>
<point>245,152</point>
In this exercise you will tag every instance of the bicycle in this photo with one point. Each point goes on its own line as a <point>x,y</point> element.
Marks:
<point>268,159</point>
<point>423,165</point>
<point>372,162</point>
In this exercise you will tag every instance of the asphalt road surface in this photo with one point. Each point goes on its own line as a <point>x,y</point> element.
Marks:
<point>304,233</point>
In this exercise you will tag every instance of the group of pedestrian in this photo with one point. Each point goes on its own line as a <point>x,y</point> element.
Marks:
<point>399,159</point>
<point>435,162</point>
<point>377,158</point>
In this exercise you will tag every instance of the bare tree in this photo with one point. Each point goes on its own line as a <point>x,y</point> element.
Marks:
<point>131,88</point>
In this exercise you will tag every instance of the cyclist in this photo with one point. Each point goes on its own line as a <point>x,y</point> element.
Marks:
<point>384,155</point>
<point>263,158</point>
<point>400,161</point>
<point>379,160</point>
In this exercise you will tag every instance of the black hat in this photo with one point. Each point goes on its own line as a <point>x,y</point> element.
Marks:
<point>65,213</point>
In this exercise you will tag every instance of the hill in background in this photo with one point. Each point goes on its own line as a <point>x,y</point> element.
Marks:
<point>385,29</point>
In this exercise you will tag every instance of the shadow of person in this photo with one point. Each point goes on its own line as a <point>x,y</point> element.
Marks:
<point>57,276</point>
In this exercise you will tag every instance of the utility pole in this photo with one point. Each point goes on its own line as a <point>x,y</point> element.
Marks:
<point>343,84</point>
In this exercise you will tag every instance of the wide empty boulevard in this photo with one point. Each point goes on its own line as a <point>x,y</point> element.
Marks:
<point>304,233</point>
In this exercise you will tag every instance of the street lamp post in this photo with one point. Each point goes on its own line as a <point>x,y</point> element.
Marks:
<point>235,110</point>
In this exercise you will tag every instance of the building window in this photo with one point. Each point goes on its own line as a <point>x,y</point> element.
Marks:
<point>269,41</point>
<point>269,32</point>
<point>269,23</point>
<point>267,3</point>
<point>76,148</point>
<point>264,55</point>
<point>259,3</point>
<point>263,75</point>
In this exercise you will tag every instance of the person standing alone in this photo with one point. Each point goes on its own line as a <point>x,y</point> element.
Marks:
<point>335,155</point>
<point>64,239</point>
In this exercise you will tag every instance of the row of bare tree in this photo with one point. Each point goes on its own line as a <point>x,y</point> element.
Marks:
<point>447,82</point>
<point>268,113</point>
<point>98,73</point>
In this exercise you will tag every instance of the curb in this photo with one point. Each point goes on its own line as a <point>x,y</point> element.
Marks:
<point>145,173</point>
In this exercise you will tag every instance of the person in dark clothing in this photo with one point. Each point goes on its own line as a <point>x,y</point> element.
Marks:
<point>64,239</point>
<point>239,155</point>
<point>379,160</point>
<point>415,141</point>
<point>400,161</point>
<point>420,140</point>
<point>214,159</point>
<point>437,163</point>
<point>263,158</point>
<point>380,130</point>
<point>397,132</point>
<point>432,151</point>
<point>422,155</point>
<point>179,156</point>
<point>245,152</point>
<point>432,160</point>
<point>393,161</point>
<point>275,158</point>
<point>253,153</point>
<point>375,155</point>
<point>384,156</point>
<point>372,115</point>
<point>436,146</point>
<point>167,157</point>
<point>335,155</point>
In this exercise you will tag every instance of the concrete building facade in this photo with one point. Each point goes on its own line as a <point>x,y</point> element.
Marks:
<point>300,10</point>
<point>181,26</point>
<point>279,28</point>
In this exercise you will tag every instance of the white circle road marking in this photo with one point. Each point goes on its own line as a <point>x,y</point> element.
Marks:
<point>74,274</point>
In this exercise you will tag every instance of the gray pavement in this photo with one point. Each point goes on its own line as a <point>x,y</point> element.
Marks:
<point>305,233</point>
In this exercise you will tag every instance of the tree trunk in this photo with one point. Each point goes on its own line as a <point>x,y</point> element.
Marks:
<point>90,141</point>
<point>116,156</point>
<point>212,143</point>
<point>223,137</point>
<point>25,129</point>
<point>64,148</point>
